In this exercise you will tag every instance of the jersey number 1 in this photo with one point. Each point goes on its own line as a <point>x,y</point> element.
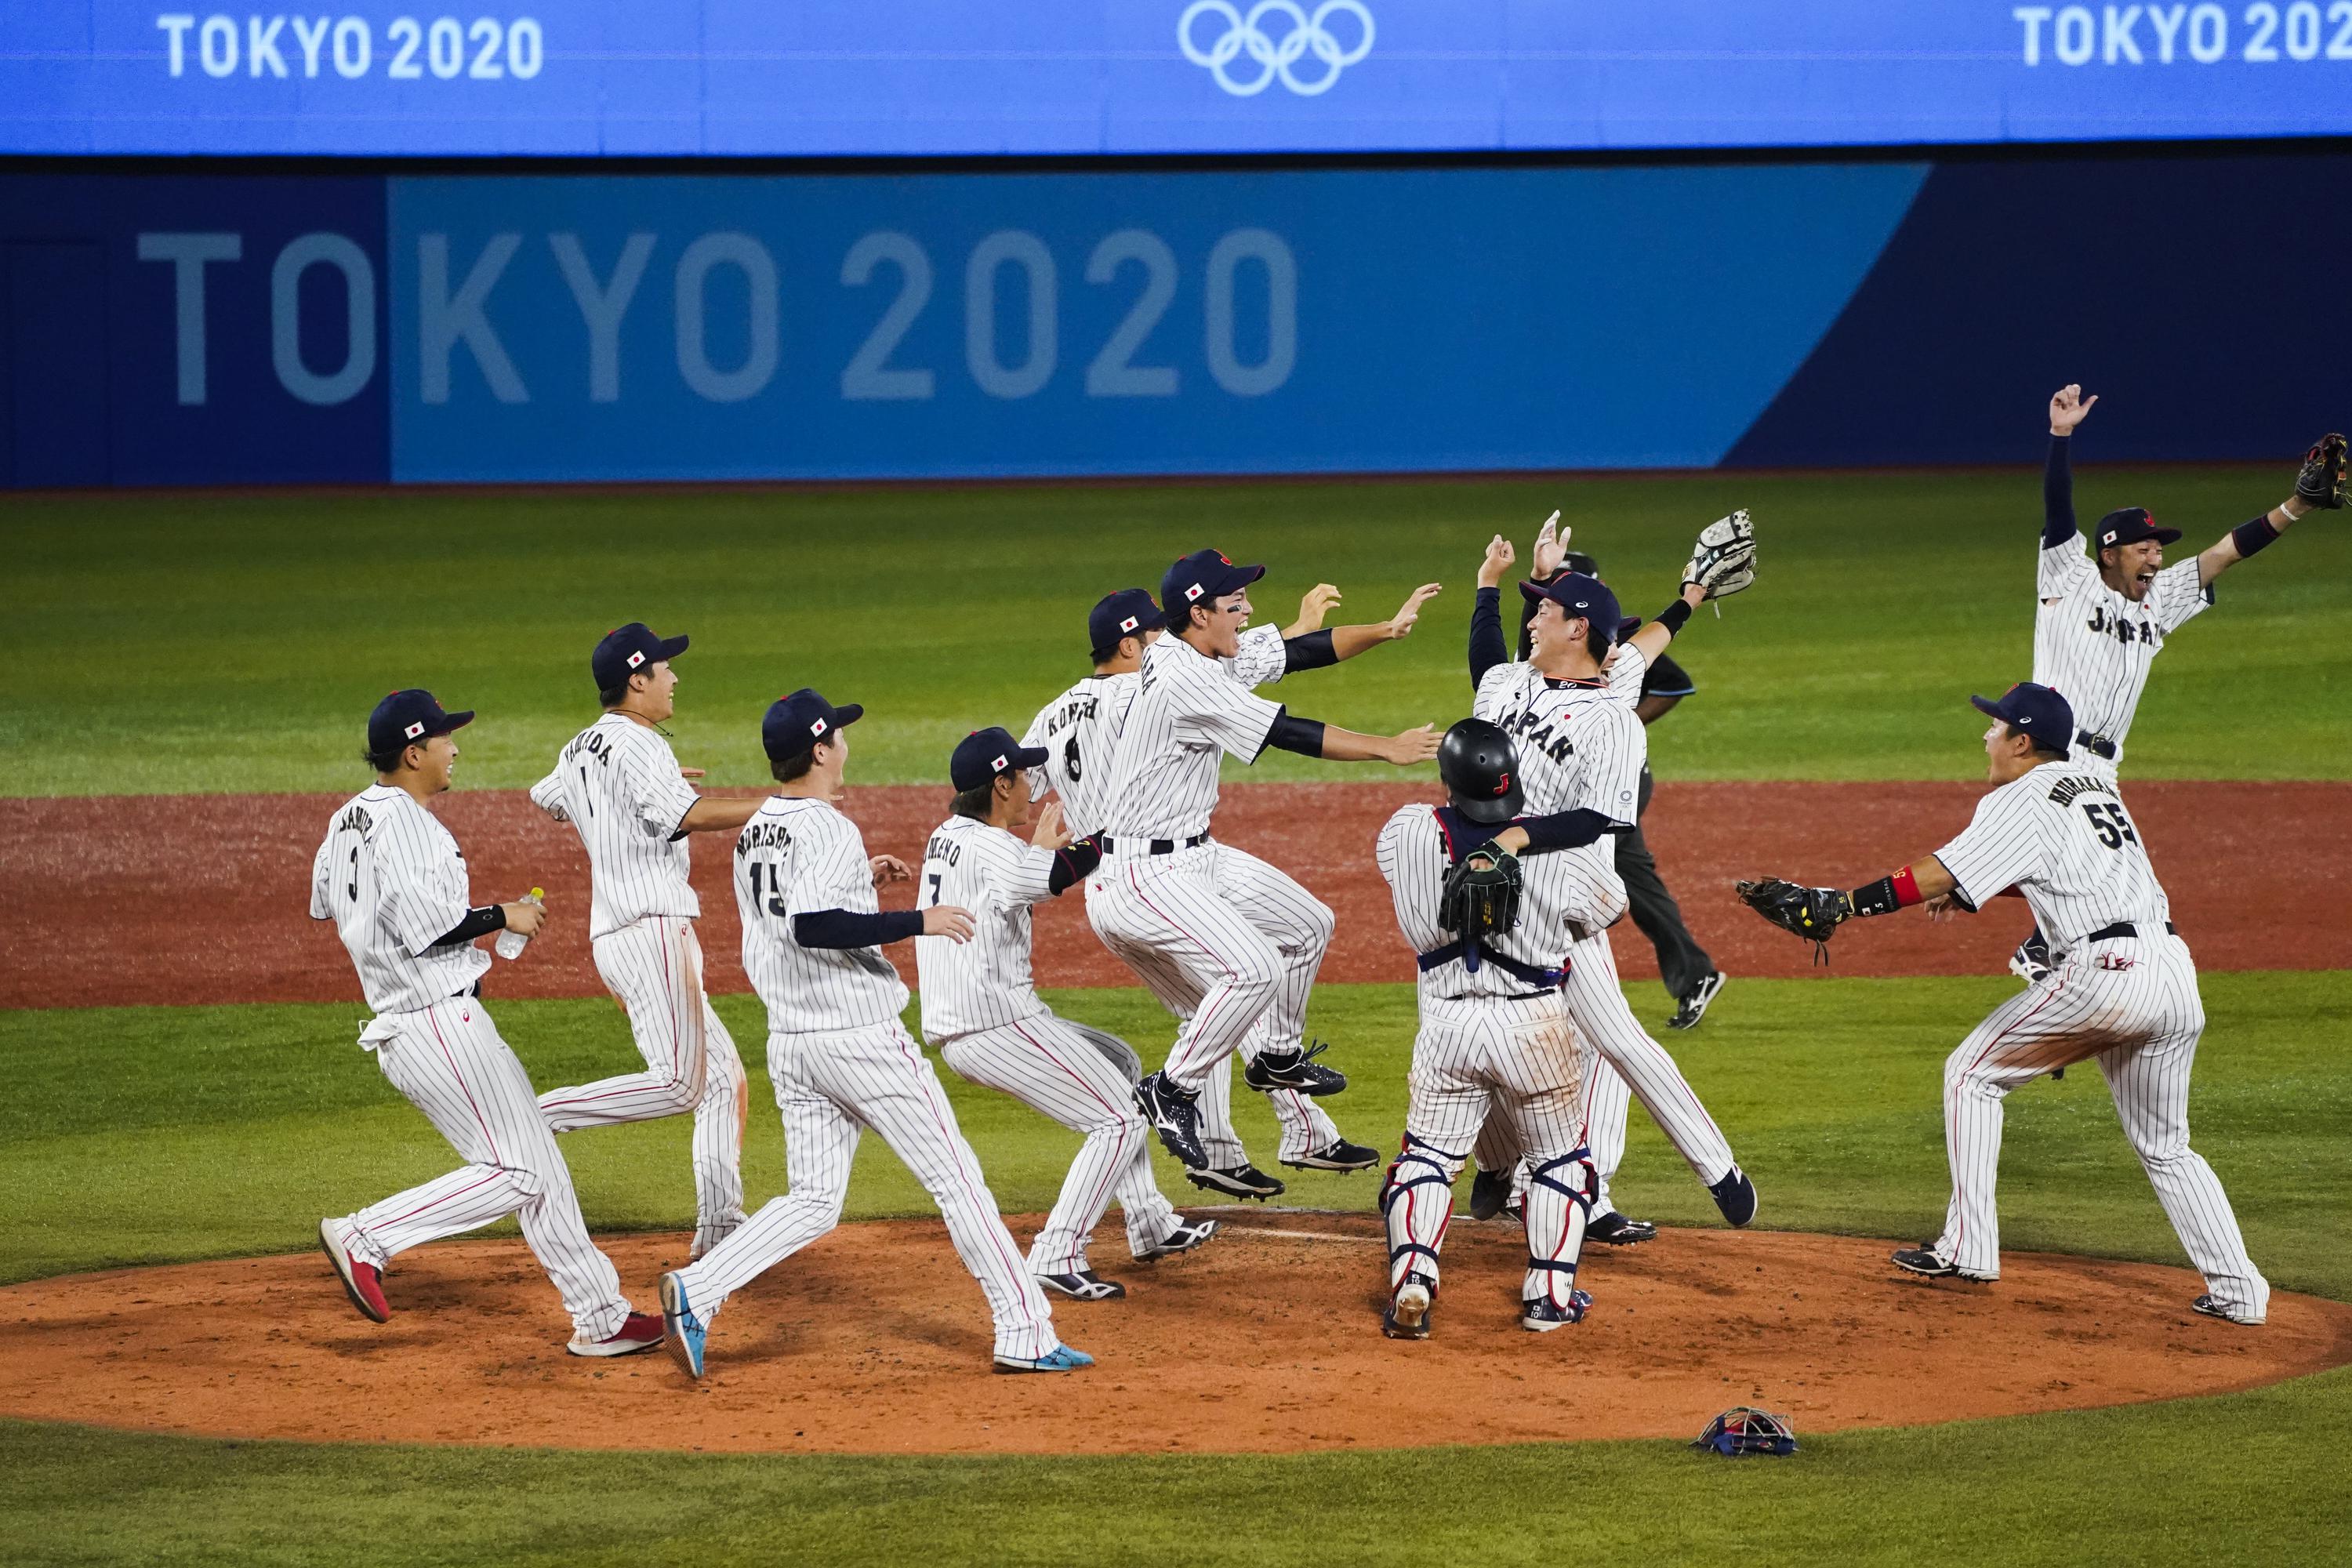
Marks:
<point>774,901</point>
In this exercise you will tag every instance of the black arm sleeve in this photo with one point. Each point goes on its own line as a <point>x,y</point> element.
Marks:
<point>1073,862</point>
<point>839,928</point>
<point>479,922</point>
<point>1312,651</point>
<point>2057,495</point>
<point>1304,736</point>
<point>1564,830</point>
<point>1675,616</point>
<point>1488,648</point>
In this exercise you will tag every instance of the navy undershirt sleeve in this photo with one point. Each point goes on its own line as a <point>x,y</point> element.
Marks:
<point>1290,733</point>
<point>1312,651</point>
<point>2057,495</point>
<point>841,929</point>
<point>1488,648</point>
<point>1563,830</point>
<point>477,922</point>
<point>1073,862</point>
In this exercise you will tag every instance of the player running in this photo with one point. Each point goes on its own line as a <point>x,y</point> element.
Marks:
<point>840,1059</point>
<point>2121,988</point>
<point>1492,941</point>
<point>982,1009</point>
<point>2101,619</point>
<point>391,877</point>
<point>1222,938</point>
<point>619,783</point>
<point>1569,708</point>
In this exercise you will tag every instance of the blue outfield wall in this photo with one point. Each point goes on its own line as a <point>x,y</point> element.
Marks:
<point>167,329</point>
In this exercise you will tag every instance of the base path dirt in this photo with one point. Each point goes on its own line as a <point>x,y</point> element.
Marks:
<point>202,899</point>
<point>1266,1340</point>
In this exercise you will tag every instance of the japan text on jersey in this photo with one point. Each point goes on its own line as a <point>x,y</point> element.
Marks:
<point>799,857</point>
<point>1580,748</point>
<point>2095,645</point>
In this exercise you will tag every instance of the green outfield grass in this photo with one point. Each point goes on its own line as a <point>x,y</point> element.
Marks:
<point>148,1134</point>
<point>234,642</point>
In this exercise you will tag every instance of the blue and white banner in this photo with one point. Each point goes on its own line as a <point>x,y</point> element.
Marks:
<point>754,78</point>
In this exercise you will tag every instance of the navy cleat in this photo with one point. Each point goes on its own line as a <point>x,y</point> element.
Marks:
<point>1175,1116</point>
<point>1086,1285</point>
<point>1337,1155</point>
<point>1614,1230</point>
<point>1189,1234</point>
<point>1408,1314</point>
<point>1736,1196</point>
<point>1543,1314</point>
<point>1237,1180</point>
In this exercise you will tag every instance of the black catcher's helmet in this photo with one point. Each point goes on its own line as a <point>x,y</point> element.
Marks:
<point>1481,770</point>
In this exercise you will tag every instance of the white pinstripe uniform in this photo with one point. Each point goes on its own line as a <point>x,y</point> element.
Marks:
<point>1083,723</point>
<point>392,881</point>
<point>617,781</point>
<point>1227,943</point>
<point>1581,747</point>
<point>1493,1046</point>
<point>2094,646</point>
<point>2060,835</point>
<point>842,1062</point>
<point>982,1009</point>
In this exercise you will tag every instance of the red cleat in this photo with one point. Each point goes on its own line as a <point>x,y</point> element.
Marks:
<point>641,1331</point>
<point>362,1282</point>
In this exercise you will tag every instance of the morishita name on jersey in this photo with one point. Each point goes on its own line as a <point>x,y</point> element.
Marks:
<point>762,836</point>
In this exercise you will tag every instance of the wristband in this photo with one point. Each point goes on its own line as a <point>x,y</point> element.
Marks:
<point>2252,538</point>
<point>1886,895</point>
<point>1674,616</point>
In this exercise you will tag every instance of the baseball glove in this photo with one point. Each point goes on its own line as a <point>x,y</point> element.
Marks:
<point>1723,559</point>
<point>1481,894</point>
<point>2321,483</point>
<point>1814,913</point>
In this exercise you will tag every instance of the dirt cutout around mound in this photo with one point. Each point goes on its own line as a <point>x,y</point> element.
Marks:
<point>1266,1340</point>
<point>108,902</point>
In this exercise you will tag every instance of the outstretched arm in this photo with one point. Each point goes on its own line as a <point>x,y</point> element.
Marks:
<point>2321,484</point>
<point>1312,737</point>
<point>2068,409</point>
<point>1488,648</point>
<point>1654,635</point>
<point>1315,649</point>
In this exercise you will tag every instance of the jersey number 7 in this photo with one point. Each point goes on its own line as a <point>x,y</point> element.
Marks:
<point>2115,827</point>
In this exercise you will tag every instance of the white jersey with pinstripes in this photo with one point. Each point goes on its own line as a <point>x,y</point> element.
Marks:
<point>617,781</point>
<point>392,881</point>
<point>1189,711</point>
<point>2059,833</point>
<point>797,857</point>
<point>1080,731</point>
<point>1580,748</point>
<point>2093,646</point>
<point>984,984</point>
<point>1413,861</point>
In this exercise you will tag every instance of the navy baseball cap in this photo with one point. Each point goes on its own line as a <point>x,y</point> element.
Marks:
<point>626,650</point>
<point>405,718</point>
<point>984,755</point>
<point>1583,597</point>
<point>1130,613</point>
<point>2037,711</point>
<point>1201,577</point>
<point>797,722</point>
<point>2129,525</point>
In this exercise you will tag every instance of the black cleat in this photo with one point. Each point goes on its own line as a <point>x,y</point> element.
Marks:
<point>1736,1196</point>
<point>1175,1116</point>
<point>1337,1156</point>
<point>1086,1285</point>
<point>1409,1309</point>
<point>1613,1229</point>
<point>1694,1006</point>
<point>1490,1194</point>
<point>1924,1259</point>
<point>2208,1306</point>
<point>1292,1069</point>
<point>1188,1235</point>
<point>1241,1181</point>
<point>1543,1315</point>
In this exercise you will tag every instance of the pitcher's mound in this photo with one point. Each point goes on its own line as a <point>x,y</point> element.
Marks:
<point>874,1341</point>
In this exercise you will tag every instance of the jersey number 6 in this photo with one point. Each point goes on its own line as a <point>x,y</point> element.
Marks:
<point>2115,827</point>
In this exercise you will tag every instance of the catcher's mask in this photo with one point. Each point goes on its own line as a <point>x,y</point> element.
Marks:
<point>1744,1429</point>
<point>1481,770</point>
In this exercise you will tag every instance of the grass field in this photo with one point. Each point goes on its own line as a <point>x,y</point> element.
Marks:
<point>236,642</point>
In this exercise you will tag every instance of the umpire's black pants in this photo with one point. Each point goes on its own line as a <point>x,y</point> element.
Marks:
<point>1682,962</point>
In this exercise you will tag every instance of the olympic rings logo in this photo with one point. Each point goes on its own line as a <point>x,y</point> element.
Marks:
<point>1275,57</point>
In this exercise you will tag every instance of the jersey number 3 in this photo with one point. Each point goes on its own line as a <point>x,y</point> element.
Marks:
<point>2115,827</point>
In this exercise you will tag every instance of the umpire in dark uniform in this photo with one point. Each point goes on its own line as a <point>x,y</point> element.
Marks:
<point>1690,977</point>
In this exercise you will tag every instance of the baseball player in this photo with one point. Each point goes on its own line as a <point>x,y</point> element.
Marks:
<point>840,1059</point>
<point>2121,988</point>
<point>1569,708</point>
<point>2100,620</point>
<point>982,1009</point>
<point>1492,941</point>
<point>1081,724</point>
<point>618,782</point>
<point>1223,939</point>
<point>392,879</point>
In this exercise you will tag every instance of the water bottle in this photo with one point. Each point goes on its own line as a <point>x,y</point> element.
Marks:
<point>510,943</point>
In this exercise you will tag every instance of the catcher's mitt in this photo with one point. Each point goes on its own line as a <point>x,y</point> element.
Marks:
<point>2321,483</point>
<point>1814,913</point>
<point>1481,894</point>
<point>1723,559</point>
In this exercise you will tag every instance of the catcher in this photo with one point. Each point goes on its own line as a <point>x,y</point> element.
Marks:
<point>2121,989</point>
<point>1491,936</point>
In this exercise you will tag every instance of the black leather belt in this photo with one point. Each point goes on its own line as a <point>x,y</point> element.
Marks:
<point>2125,928</point>
<point>1514,996</point>
<point>2097,744</point>
<point>1158,847</point>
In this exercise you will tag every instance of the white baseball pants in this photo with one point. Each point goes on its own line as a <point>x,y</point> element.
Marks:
<point>1223,939</point>
<point>1516,1062</point>
<point>1052,1067</point>
<point>2133,1005</point>
<point>654,966</point>
<point>831,1087</point>
<point>451,1064</point>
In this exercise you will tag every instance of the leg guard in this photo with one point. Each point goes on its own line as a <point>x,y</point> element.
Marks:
<point>1417,1201</point>
<point>1560,1200</point>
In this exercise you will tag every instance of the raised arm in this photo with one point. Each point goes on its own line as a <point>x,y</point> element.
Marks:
<point>2068,408</point>
<point>2320,485</point>
<point>1488,646</point>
